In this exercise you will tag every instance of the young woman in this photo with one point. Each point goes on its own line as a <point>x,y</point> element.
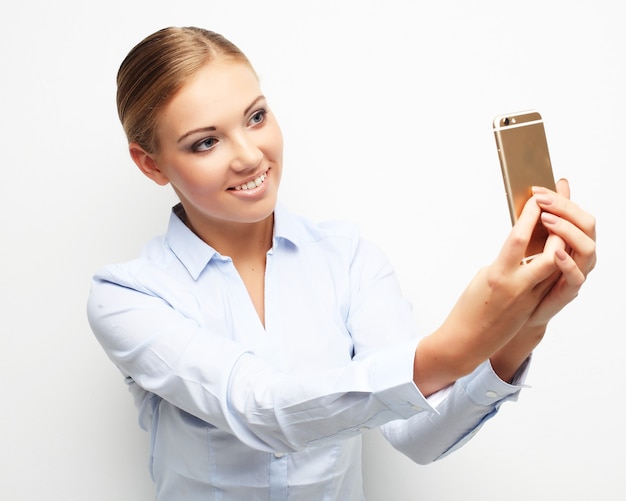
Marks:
<point>258,345</point>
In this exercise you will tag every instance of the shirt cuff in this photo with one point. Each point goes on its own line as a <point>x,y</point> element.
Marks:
<point>392,381</point>
<point>484,387</point>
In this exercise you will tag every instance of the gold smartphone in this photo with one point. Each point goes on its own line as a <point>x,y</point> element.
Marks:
<point>525,162</point>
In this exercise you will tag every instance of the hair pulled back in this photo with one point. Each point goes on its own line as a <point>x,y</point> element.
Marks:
<point>156,68</point>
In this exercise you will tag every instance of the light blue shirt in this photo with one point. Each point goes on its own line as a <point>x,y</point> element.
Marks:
<point>238,411</point>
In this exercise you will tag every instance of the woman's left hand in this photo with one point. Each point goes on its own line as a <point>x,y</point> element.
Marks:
<point>572,241</point>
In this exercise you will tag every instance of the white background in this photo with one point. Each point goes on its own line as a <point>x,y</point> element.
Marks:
<point>386,109</point>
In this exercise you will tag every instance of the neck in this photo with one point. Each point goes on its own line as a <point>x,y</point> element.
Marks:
<point>236,240</point>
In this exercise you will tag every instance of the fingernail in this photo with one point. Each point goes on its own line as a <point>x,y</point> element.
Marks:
<point>561,254</point>
<point>545,198</point>
<point>548,218</point>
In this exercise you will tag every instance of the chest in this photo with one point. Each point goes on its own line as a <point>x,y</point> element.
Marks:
<point>293,314</point>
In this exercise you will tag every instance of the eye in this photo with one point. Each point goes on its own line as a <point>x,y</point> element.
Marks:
<point>258,117</point>
<point>204,145</point>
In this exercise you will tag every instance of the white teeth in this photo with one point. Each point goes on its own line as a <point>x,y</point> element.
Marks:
<point>252,184</point>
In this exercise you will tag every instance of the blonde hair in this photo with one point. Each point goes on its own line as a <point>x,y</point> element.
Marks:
<point>156,68</point>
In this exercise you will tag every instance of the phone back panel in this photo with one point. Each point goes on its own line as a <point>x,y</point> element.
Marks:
<point>525,162</point>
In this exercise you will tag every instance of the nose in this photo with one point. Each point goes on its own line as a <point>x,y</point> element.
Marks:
<point>246,154</point>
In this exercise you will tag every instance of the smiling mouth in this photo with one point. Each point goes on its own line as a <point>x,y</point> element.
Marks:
<point>258,181</point>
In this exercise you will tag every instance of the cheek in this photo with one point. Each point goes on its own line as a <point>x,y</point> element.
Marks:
<point>276,143</point>
<point>197,177</point>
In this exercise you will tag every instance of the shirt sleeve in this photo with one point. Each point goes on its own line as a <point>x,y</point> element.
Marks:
<point>167,353</point>
<point>461,411</point>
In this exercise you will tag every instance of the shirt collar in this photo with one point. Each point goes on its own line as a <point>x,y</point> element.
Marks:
<point>195,254</point>
<point>292,228</point>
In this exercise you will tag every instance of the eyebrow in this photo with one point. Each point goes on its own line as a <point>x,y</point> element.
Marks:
<point>212,127</point>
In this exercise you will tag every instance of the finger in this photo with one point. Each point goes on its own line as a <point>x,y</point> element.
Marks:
<point>553,243</point>
<point>516,243</point>
<point>569,284</point>
<point>571,273</point>
<point>560,205</point>
<point>541,269</point>
<point>582,247</point>
<point>562,188</point>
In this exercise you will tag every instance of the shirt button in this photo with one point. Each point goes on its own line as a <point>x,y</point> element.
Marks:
<point>363,429</point>
<point>279,454</point>
<point>491,394</point>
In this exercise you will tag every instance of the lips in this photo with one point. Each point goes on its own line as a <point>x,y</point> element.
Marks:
<point>254,183</point>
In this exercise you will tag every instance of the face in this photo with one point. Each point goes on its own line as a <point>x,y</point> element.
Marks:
<point>220,148</point>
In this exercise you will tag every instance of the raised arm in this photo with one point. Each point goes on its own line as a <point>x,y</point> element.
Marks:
<point>573,237</point>
<point>503,313</point>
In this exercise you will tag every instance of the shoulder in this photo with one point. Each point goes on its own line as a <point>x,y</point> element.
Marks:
<point>178,255</point>
<point>141,273</point>
<point>156,277</point>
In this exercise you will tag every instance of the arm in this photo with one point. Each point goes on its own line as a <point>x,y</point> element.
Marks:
<point>461,411</point>
<point>377,318</point>
<point>573,235</point>
<point>551,283</point>
<point>163,346</point>
<point>504,311</point>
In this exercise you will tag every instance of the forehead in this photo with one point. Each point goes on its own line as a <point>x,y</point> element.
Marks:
<point>219,91</point>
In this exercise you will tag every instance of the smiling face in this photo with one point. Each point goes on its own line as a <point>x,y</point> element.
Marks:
<point>220,148</point>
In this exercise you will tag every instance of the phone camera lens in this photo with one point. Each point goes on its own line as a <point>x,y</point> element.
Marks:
<point>506,121</point>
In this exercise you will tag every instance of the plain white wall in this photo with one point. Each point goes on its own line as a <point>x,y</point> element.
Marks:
<point>386,109</point>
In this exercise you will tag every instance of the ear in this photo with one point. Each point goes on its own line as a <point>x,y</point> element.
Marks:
<point>147,164</point>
